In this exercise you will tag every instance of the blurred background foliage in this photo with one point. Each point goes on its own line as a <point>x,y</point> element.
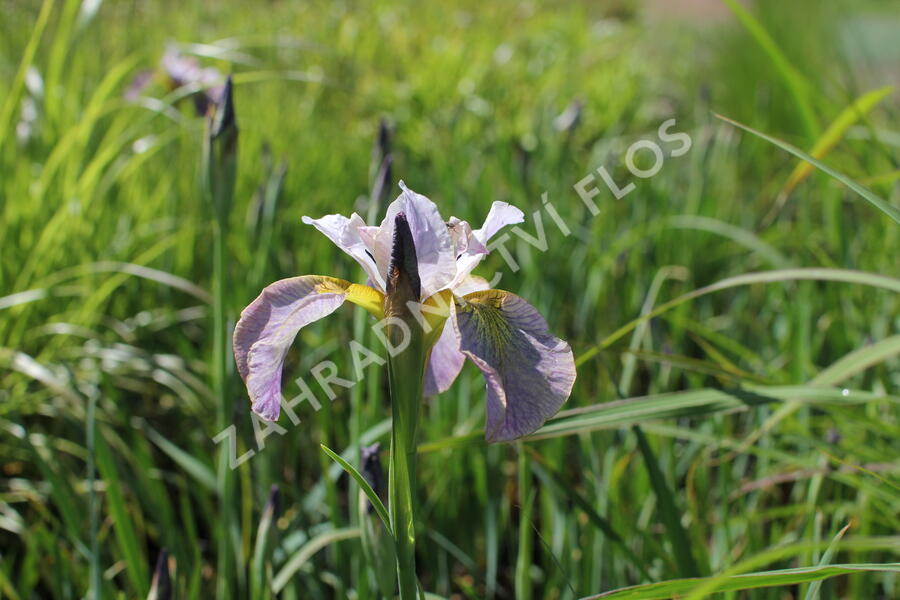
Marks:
<point>106,412</point>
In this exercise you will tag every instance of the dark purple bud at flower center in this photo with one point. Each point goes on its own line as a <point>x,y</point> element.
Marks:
<point>403,283</point>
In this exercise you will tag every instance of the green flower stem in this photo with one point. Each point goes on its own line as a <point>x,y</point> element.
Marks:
<point>405,374</point>
<point>220,170</point>
<point>224,474</point>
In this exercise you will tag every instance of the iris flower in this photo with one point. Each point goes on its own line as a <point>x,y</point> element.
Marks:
<point>528,371</point>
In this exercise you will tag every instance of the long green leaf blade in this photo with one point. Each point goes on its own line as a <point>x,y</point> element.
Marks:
<point>796,83</point>
<point>874,200</point>
<point>122,521</point>
<point>363,485</point>
<point>750,581</point>
<point>835,133</point>
<point>671,516</point>
<point>307,551</point>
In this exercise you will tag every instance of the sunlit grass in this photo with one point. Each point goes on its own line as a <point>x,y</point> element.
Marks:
<point>764,308</point>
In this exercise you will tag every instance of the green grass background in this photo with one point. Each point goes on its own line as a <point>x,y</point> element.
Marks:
<point>106,412</point>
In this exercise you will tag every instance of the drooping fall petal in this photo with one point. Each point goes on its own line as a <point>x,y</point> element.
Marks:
<point>270,323</point>
<point>529,372</point>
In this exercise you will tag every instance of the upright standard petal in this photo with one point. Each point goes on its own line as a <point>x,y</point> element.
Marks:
<point>270,323</point>
<point>500,215</point>
<point>529,372</point>
<point>463,238</point>
<point>346,234</point>
<point>434,247</point>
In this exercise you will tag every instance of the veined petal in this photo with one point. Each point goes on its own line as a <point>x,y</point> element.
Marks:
<point>529,372</point>
<point>270,323</point>
<point>434,247</point>
<point>445,363</point>
<point>446,360</point>
<point>500,215</point>
<point>345,233</point>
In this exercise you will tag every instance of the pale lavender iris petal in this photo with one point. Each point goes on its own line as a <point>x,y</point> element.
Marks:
<point>471,283</point>
<point>445,363</point>
<point>434,247</point>
<point>500,215</point>
<point>464,240</point>
<point>446,359</point>
<point>529,372</point>
<point>346,234</point>
<point>369,234</point>
<point>267,329</point>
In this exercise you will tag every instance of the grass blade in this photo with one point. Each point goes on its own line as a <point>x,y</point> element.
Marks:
<point>813,592</point>
<point>671,516</point>
<point>691,403</point>
<point>13,94</point>
<point>200,472</point>
<point>265,535</point>
<point>841,370</point>
<point>835,133</point>
<point>805,274</point>
<point>703,588</point>
<point>94,590</point>
<point>527,495</point>
<point>874,200</point>
<point>122,521</point>
<point>593,516</point>
<point>782,577</point>
<point>796,83</point>
<point>858,361</point>
<point>307,551</point>
<point>363,484</point>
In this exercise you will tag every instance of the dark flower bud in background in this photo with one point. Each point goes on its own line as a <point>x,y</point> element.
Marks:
<point>377,543</point>
<point>372,472</point>
<point>569,119</point>
<point>161,585</point>
<point>272,510</point>
<point>181,70</point>
<point>204,85</point>
<point>221,153</point>
<point>380,171</point>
